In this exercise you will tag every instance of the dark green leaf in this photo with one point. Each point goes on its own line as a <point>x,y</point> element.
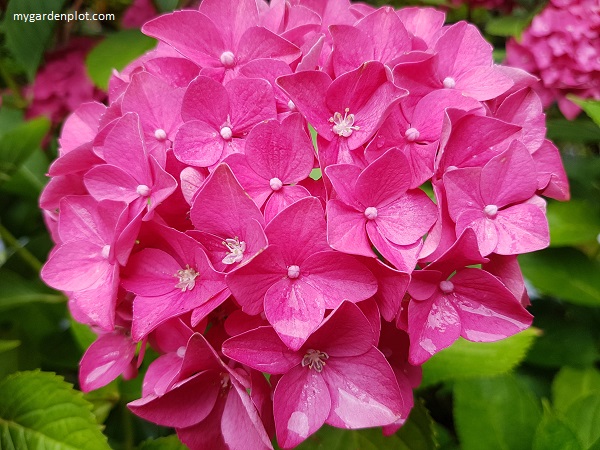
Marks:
<point>579,130</point>
<point>565,273</point>
<point>16,291</point>
<point>83,334</point>
<point>115,52</point>
<point>40,410</point>
<point>419,432</point>
<point>507,26</point>
<point>27,40</point>
<point>555,347</point>
<point>583,416</point>
<point>103,400</point>
<point>554,434</point>
<point>572,223</point>
<point>9,118</point>
<point>17,145</point>
<point>8,345</point>
<point>164,443</point>
<point>571,384</point>
<point>495,413</point>
<point>29,180</point>
<point>466,359</point>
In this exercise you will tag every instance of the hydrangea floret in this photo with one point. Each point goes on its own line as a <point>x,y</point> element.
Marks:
<point>326,193</point>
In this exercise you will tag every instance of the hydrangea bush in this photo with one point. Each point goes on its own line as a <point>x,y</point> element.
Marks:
<point>322,192</point>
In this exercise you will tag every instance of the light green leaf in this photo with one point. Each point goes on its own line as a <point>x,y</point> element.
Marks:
<point>17,291</point>
<point>572,223</point>
<point>554,434</point>
<point>163,443</point>
<point>591,107</point>
<point>507,26</point>
<point>583,416</point>
<point>103,400</point>
<point>17,145</point>
<point>39,410</point>
<point>315,174</point>
<point>83,334</point>
<point>9,118</point>
<point>466,359</point>
<point>571,384</point>
<point>419,431</point>
<point>115,52</point>
<point>495,414</point>
<point>565,273</point>
<point>27,40</point>
<point>5,346</point>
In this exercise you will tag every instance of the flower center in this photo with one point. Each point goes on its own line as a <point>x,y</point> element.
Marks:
<point>236,250</point>
<point>226,133</point>
<point>105,251</point>
<point>291,105</point>
<point>490,211</point>
<point>315,359</point>
<point>412,134</point>
<point>143,190</point>
<point>228,59</point>
<point>160,134</point>
<point>371,213</point>
<point>446,286</point>
<point>187,278</point>
<point>293,271</point>
<point>275,184</point>
<point>343,126</point>
<point>449,83</point>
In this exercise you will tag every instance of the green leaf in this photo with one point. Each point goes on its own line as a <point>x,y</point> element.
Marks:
<point>591,107</point>
<point>103,400</point>
<point>40,410</point>
<point>16,291</point>
<point>495,414</point>
<point>316,174</point>
<point>163,443</point>
<point>115,52</point>
<point>9,118</point>
<point>6,346</point>
<point>583,416</point>
<point>29,180</point>
<point>554,434</point>
<point>571,384</point>
<point>579,130</point>
<point>27,40</point>
<point>419,431</point>
<point>83,334</point>
<point>565,273</point>
<point>507,26</point>
<point>17,145</point>
<point>466,359</point>
<point>572,223</point>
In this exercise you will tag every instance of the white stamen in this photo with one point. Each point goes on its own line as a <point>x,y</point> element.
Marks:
<point>275,184</point>
<point>446,286</point>
<point>343,126</point>
<point>160,134</point>
<point>412,134</point>
<point>371,213</point>
<point>105,251</point>
<point>143,190</point>
<point>236,250</point>
<point>449,83</point>
<point>490,211</point>
<point>226,133</point>
<point>181,351</point>
<point>228,59</point>
<point>292,105</point>
<point>187,278</point>
<point>315,359</point>
<point>293,271</point>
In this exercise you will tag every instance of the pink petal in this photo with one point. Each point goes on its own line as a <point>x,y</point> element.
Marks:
<point>199,144</point>
<point>483,83</point>
<point>260,43</point>
<point>252,101</point>
<point>364,391</point>
<point>257,187</point>
<point>391,286</point>
<point>403,257</point>
<point>262,350</point>
<point>343,178</point>
<point>488,311</point>
<point>485,229</point>
<point>460,48</point>
<point>231,18</point>
<point>346,229</point>
<point>463,191</point>
<point>207,100</point>
<point>283,198</point>
<point>463,252</point>
<point>301,403</point>
<point>521,229</point>
<point>108,182</point>
<point>151,272</point>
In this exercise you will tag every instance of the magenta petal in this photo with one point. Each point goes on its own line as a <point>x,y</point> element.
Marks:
<point>391,286</point>
<point>343,178</point>
<point>295,309</point>
<point>433,325</point>
<point>252,101</point>
<point>424,283</point>
<point>198,394</point>
<point>346,229</point>
<point>283,198</point>
<point>107,358</point>
<point>206,434</point>
<point>403,257</point>
<point>151,272</point>
<point>258,43</point>
<point>262,350</point>
<point>255,185</point>
<point>231,18</point>
<point>483,83</point>
<point>521,229</point>
<point>190,33</point>
<point>338,277</point>
<point>461,47</point>
<point>206,100</point>
<point>301,403</point>
<point>81,127</point>
<point>485,229</point>
<point>463,252</point>
<point>107,182</point>
<point>488,310</point>
<point>198,144</point>
<point>364,391</point>
<point>463,191</point>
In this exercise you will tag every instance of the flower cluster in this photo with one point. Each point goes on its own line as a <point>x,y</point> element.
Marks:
<point>186,218</point>
<point>63,84</point>
<point>562,48</point>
